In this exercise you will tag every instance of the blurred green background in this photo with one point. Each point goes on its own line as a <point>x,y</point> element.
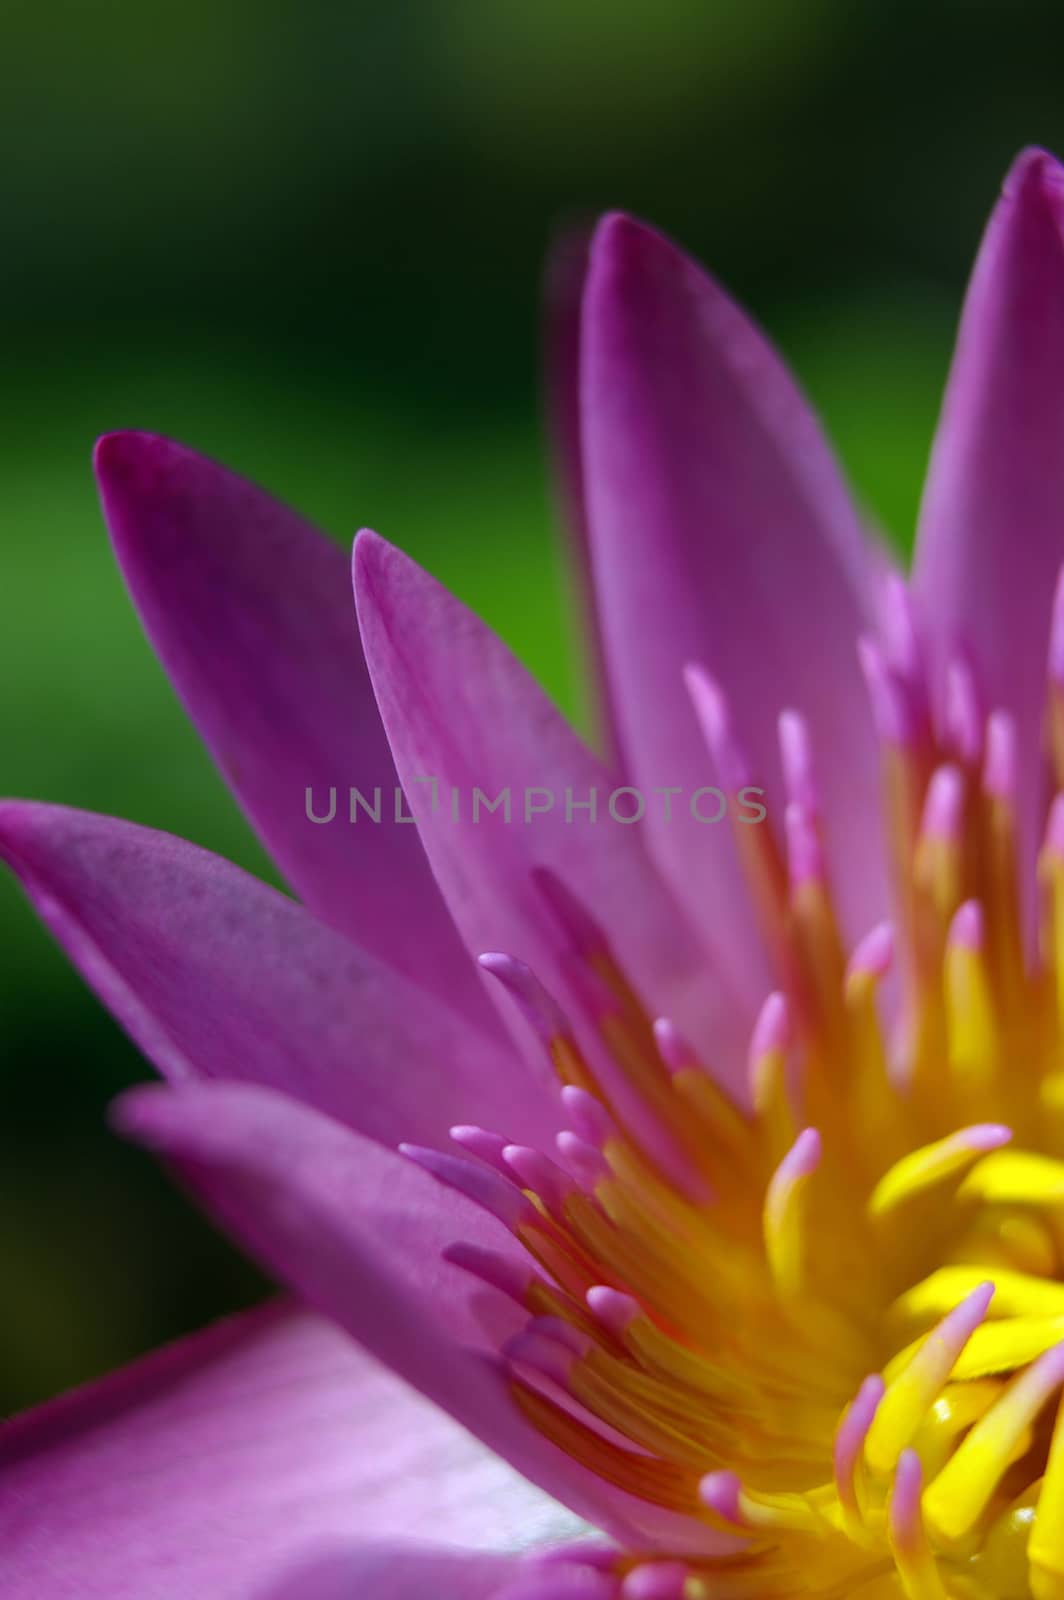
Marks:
<point>307,240</point>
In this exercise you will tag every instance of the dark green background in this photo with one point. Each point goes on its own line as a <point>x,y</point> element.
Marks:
<point>307,239</point>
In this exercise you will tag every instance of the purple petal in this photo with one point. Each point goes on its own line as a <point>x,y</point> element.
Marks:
<point>565,279</point>
<point>561,1581</point>
<point>396,1572</point>
<point>260,1446</point>
<point>458,708</point>
<point>249,608</point>
<point>215,975</point>
<point>721,533</point>
<point>358,1232</point>
<point>991,536</point>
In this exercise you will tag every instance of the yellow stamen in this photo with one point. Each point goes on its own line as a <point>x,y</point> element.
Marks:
<point>962,1490</point>
<point>1045,1551</point>
<point>922,1169</point>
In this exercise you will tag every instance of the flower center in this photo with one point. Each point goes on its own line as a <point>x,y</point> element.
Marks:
<point>819,1336</point>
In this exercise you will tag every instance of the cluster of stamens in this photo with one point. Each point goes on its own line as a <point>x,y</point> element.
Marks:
<point>818,1336</point>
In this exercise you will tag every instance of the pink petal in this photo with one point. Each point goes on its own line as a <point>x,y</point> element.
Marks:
<point>566,275</point>
<point>215,975</point>
<point>358,1232</point>
<point>249,608</point>
<point>262,1446</point>
<point>721,533</point>
<point>991,536</point>
<point>459,708</point>
<point>559,1581</point>
<point>396,1572</point>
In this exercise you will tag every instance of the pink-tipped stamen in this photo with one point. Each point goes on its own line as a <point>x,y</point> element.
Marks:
<point>849,1444</point>
<point>805,855</point>
<point>796,755</point>
<point>480,1184</point>
<point>967,931</point>
<point>1000,764</point>
<point>714,719</point>
<point>943,814</point>
<point>510,1277</point>
<point>676,1053</point>
<point>582,1159</point>
<point>486,1146</point>
<point>963,713</point>
<point>614,1309</point>
<point>589,1116</point>
<point>538,1007</point>
<point>873,956</point>
<point>539,1173</point>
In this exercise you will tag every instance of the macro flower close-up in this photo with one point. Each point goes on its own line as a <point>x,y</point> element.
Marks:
<point>659,1147</point>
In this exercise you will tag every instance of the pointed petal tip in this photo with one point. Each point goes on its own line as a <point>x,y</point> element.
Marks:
<point>131,464</point>
<point>369,556</point>
<point>370,543</point>
<point>618,235</point>
<point>108,449</point>
<point>630,265</point>
<point>1035,172</point>
<point>387,585</point>
<point>249,609</point>
<point>25,826</point>
<point>627,256</point>
<point>12,829</point>
<point>115,453</point>
<point>991,502</point>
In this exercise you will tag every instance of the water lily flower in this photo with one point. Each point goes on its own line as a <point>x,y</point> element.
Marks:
<point>720,1204</point>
